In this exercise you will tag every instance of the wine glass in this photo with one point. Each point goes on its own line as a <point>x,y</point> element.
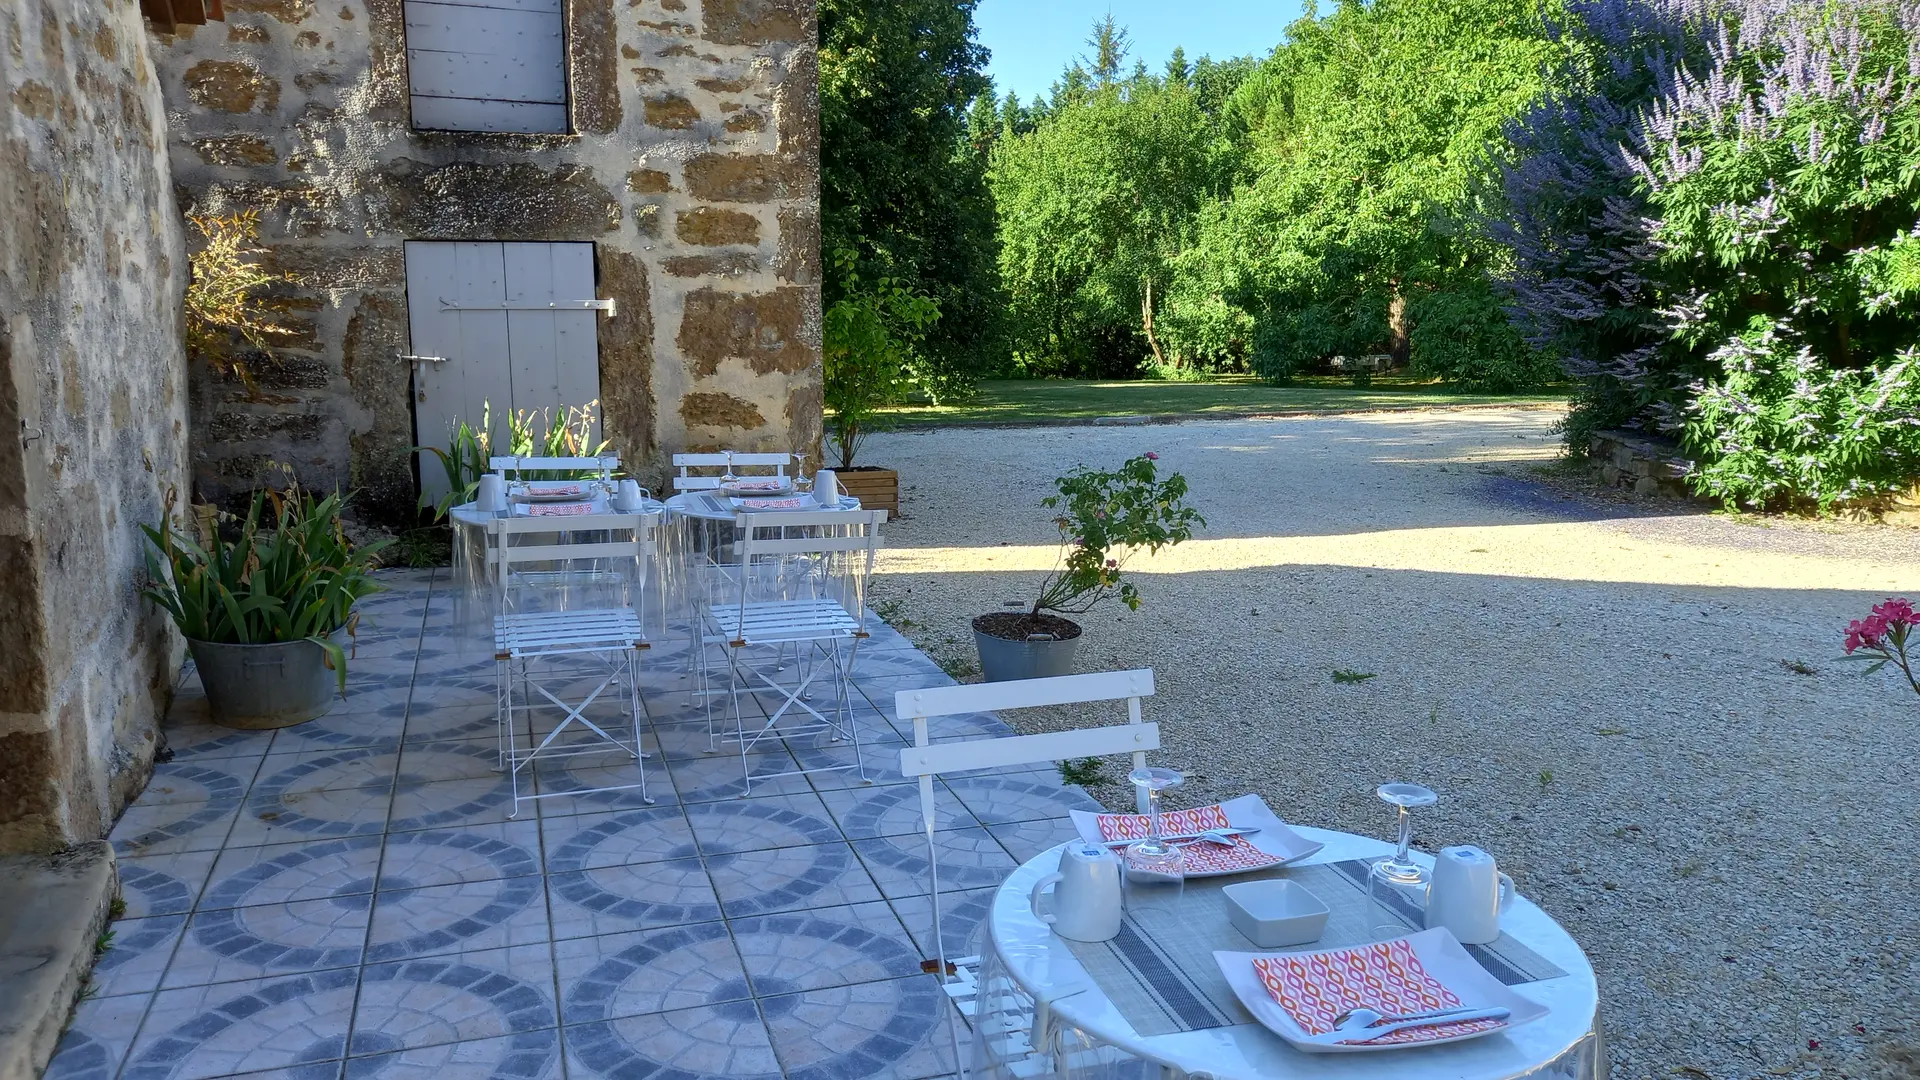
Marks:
<point>1156,870</point>
<point>803,484</point>
<point>727,479</point>
<point>1397,881</point>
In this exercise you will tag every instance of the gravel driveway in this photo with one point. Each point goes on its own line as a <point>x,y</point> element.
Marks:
<point>1599,691</point>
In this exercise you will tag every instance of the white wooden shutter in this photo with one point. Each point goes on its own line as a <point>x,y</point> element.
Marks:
<point>487,65</point>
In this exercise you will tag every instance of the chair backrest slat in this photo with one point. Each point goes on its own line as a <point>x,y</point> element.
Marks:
<point>999,753</point>
<point>643,527</point>
<point>518,464</point>
<point>1024,693</point>
<point>687,481</point>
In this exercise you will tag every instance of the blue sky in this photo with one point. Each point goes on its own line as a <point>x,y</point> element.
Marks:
<point>1033,40</point>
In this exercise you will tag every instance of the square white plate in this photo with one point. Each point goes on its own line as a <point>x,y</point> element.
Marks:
<point>1439,954</point>
<point>1247,812</point>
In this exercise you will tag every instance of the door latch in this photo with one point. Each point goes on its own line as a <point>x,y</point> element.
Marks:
<point>420,370</point>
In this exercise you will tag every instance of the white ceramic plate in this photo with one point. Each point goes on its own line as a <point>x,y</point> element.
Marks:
<point>743,491</point>
<point>1438,952</point>
<point>544,493</point>
<point>1247,811</point>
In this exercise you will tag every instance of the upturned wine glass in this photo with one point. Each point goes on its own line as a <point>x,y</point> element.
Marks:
<point>1396,881</point>
<point>1156,870</point>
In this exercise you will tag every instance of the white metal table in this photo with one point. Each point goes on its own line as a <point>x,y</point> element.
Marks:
<point>1564,1045</point>
<point>474,533</point>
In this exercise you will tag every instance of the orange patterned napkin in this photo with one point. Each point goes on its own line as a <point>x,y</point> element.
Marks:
<point>559,509</point>
<point>1204,857</point>
<point>1386,976</point>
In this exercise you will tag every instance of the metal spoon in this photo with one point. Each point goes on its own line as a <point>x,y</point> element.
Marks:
<point>1362,1016</point>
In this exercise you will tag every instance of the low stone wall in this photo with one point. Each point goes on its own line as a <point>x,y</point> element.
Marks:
<point>1640,463</point>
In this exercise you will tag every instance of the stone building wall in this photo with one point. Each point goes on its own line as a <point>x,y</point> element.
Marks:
<point>693,166</point>
<point>92,413</point>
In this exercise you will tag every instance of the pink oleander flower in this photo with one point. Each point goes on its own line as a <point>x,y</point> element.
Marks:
<point>1884,636</point>
<point>1151,456</point>
<point>1896,611</point>
<point>1866,633</point>
<point>1112,563</point>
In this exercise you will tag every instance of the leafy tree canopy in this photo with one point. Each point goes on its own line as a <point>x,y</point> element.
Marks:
<point>899,185</point>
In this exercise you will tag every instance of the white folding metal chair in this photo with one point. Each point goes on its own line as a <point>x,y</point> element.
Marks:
<point>687,480</point>
<point>800,583</point>
<point>516,468</point>
<point>926,759</point>
<point>563,625</point>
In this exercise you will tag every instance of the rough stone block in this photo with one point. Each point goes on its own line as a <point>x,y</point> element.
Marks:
<point>746,177</point>
<point>757,22</point>
<point>1646,486</point>
<point>56,908</point>
<point>712,227</point>
<point>769,331</point>
<point>231,86</point>
<point>671,111</point>
<point>703,409</point>
<point>719,264</point>
<point>649,181</point>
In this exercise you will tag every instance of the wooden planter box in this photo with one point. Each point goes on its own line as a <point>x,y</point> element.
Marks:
<point>877,489</point>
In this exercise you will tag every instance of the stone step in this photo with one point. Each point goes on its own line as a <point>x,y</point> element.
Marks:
<point>53,909</point>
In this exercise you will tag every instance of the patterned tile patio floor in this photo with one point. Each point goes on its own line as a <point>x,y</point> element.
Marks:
<point>353,897</point>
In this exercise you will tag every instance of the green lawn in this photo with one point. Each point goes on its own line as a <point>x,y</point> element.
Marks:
<point>1018,401</point>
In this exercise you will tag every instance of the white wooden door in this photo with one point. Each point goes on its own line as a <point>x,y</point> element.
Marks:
<point>510,325</point>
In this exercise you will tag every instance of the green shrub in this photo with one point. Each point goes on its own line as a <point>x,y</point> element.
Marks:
<point>1462,336</point>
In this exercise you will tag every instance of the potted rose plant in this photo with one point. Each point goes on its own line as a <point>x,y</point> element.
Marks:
<point>868,340</point>
<point>265,612</point>
<point>1104,518</point>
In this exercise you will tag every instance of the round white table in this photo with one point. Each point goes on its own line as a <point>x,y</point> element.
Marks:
<point>1564,1045</point>
<point>474,534</point>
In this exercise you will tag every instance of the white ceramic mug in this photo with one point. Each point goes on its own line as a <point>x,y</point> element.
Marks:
<point>491,496</point>
<point>1468,894</point>
<point>826,488</point>
<point>628,496</point>
<point>1086,897</point>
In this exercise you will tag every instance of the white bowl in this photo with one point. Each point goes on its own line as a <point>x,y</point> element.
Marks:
<point>1275,912</point>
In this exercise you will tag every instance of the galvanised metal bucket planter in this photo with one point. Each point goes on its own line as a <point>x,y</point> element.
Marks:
<point>261,687</point>
<point>1037,657</point>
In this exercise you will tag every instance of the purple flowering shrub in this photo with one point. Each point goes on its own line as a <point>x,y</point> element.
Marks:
<point>1787,197</point>
<point>1571,214</point>
<point>1716,224</point>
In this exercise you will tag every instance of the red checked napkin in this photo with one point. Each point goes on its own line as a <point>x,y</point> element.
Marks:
<point>1202,857</point>
<point>772,504</point>
<point>759,485</point>
<point>1386,976</point>
<point>547,491</point>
